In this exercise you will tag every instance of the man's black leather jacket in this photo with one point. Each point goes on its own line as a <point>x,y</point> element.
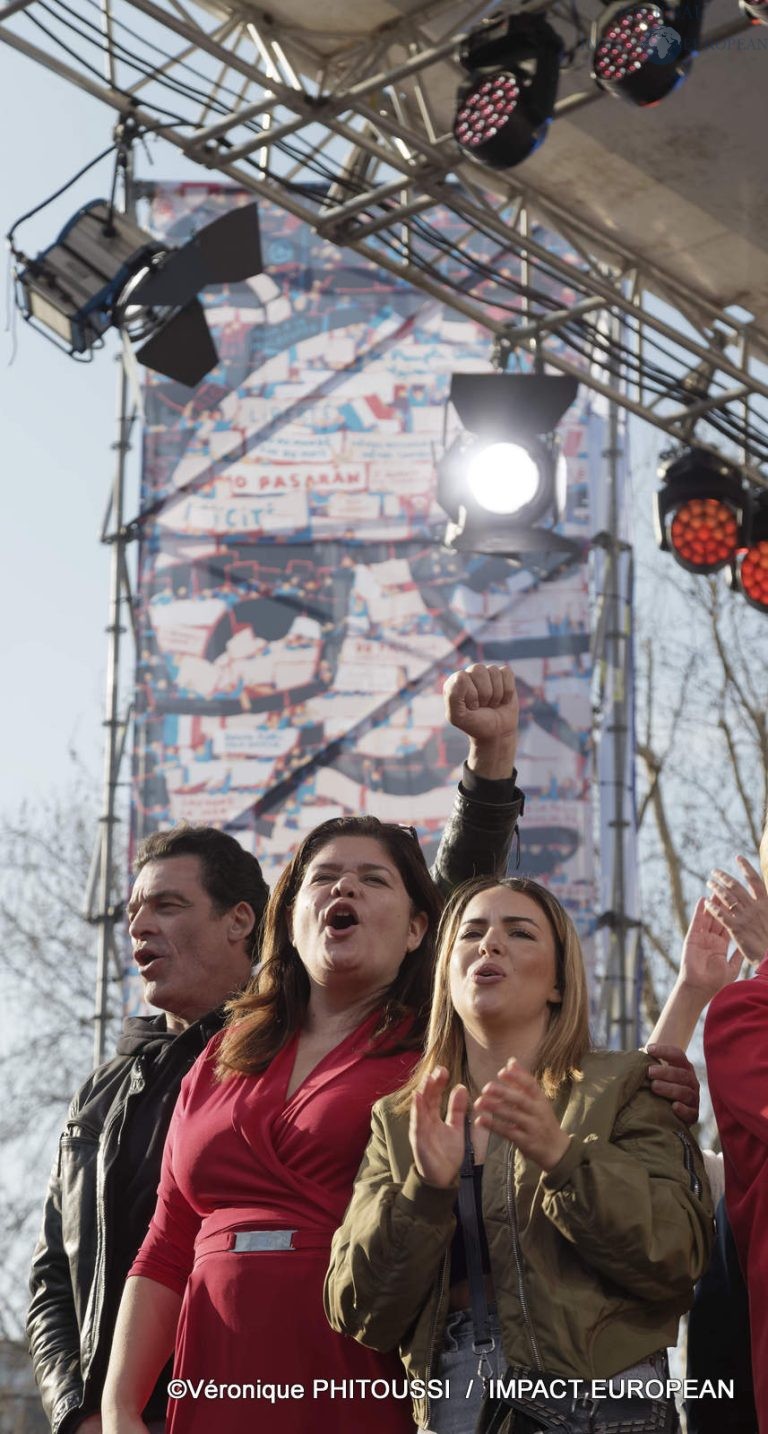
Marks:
<point>101,1193</point>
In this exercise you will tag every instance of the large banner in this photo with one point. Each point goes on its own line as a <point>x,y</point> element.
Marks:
<point>297,612</point>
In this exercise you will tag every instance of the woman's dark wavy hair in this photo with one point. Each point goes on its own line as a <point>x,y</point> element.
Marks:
<point>274,1003</point>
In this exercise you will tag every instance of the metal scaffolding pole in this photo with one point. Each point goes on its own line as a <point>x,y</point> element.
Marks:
<point>619,1004</point>
<point>108,910</point>
<point>107,914</point>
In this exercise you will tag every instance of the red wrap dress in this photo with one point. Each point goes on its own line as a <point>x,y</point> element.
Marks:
<point>240,1157</point>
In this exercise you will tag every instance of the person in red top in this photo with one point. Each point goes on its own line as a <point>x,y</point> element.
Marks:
<point>736,1052</point>
<point>263,1149</point>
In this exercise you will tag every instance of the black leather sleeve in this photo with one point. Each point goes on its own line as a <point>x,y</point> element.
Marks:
<point>480,830</point>
<point>53,1327</point>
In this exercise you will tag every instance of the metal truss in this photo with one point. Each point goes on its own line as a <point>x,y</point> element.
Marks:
<point>352,134</point>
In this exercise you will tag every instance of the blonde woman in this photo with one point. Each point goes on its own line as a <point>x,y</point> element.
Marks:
<point>593,1217</point>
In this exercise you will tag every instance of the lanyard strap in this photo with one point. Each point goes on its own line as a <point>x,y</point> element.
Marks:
<point>483,1342</point>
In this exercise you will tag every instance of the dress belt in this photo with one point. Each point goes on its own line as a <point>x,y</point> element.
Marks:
<point>242,1242</point>
<point>252,1231</point>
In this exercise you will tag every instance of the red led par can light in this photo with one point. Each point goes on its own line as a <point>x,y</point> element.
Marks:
<point>700,511</point>
<point>505,107</point>
<point>486,109</point>
<point>643,49</point>
<point>753,575</point>
<point>625,43</point>
<point>750,571</point>
<point>704,534</point>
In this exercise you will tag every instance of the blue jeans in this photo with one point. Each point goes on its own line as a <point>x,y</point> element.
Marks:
<point>458,1413</point>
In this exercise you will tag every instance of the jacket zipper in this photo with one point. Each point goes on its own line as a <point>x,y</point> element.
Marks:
<point>433,1351</point>
<point>693,1178</point>
<point>92,1318</point>
<point>512,1216</point>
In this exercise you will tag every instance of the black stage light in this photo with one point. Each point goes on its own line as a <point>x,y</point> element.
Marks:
<point>105,272</point>
<point>700,509</point>
<point>643,51</point>
<point>751,568</point>
<point>504,111</point>
<point>501,476</point>
<point>756,11</point>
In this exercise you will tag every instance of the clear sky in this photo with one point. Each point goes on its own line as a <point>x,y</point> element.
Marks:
<point>57,422</point>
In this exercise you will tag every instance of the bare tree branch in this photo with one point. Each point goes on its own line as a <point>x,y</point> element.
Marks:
<point>47,983</point>
<point>738,778</point>
<point>666,839</point>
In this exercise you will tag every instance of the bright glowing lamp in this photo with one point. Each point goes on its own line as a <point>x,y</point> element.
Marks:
<point>504,466</point>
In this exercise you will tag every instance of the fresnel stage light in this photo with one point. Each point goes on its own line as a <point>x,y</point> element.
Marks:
<point>105,272</point>
<point>504,110</point>
<point>700,509</point>
<point>501,477</point>
<point>642,51</point>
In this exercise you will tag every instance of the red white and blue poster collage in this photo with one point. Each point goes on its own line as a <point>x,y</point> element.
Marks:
<point>297,611</point>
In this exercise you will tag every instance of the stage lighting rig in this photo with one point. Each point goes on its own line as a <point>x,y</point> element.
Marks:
<point>642,51</point>
<point>750,571</point>
<point>105,272</point>
<point>502,477</point>
<point>700,510</point>
<point>504,110</point>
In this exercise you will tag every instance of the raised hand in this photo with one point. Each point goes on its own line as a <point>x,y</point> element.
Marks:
<point>675,1079</point>
<point>437,1143</point>
<point>482,701</point>
<point>515,1107</point>
<point>704,964</point>
<point>742,909</point>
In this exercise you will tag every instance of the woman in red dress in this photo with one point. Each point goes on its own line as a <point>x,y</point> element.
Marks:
<point>263,1150</point>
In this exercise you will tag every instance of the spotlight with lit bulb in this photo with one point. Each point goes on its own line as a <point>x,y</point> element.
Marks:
<point>502,481</point>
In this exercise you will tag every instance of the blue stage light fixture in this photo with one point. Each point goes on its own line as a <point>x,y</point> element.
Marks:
<point>105,272</point>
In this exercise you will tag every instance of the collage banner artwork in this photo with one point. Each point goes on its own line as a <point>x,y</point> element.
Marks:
<point>297,613</point>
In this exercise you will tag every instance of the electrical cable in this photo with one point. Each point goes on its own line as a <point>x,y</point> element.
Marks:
<point>477,270</point>
<point>149,72</point>
<point>45,202</point>
<point>165,55</point>
<point>92,70</point>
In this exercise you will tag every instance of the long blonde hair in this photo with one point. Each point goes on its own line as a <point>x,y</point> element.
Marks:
<point>567,1037</point>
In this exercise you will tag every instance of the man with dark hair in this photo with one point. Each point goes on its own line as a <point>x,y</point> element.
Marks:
<point>228,873</point>
<point>194,917</point>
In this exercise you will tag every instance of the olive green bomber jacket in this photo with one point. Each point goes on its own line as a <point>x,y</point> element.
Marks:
<point>592,1263</point>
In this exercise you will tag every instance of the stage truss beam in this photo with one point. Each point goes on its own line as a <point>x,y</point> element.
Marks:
<point>349,141</point>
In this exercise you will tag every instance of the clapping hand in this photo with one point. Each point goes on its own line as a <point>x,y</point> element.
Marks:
<point>515,1107</point>
<point>704,964</point>
<point>741,909</point>
<point>437,1143</point>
